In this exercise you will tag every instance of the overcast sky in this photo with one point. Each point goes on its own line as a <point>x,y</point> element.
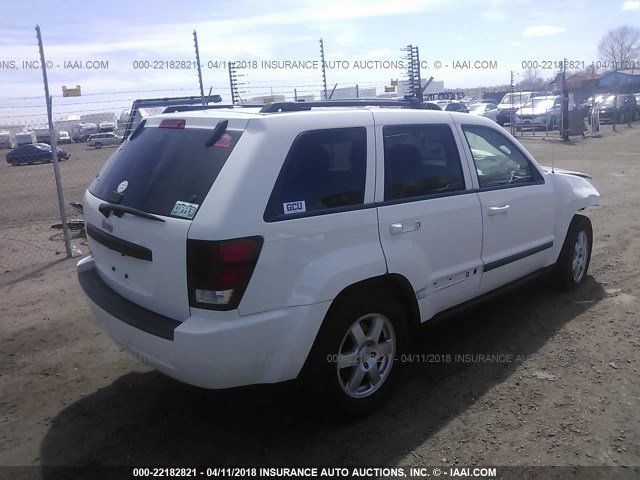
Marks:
<point>507,32</point>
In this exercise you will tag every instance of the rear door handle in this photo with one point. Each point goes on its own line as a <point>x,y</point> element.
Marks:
<point>397,228</point>
<point>498,210</point>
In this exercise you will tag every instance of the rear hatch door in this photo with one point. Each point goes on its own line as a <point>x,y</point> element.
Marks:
<point>139,209</point>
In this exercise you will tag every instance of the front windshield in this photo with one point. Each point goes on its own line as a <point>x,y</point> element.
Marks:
<point>610,100</point>
<point>538,103</point>
<point>515,98</point>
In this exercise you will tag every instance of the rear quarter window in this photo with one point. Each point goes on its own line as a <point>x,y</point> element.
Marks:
<point>164,166</point>
<point>324,170</point>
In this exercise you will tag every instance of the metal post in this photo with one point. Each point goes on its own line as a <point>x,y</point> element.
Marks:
<point>419,77</point>
<point>357,91</point>
<point>195,41</point>
<point>324,71</point>
<point>332,91</point>
<point>565,103</point>
<point>511,114</point>
<point>54,149</point>
<point>295,94</point>
<point>231,83</point>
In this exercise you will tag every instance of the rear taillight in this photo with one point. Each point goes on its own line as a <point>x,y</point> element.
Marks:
<point>218,272</point>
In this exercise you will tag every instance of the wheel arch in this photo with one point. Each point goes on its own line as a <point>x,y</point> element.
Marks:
<point>394,283</point>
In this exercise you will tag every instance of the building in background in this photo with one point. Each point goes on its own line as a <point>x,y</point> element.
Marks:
<point>346,93</point>
<point>434,87</point>
<point>264,99</point>
<point>101,117</point>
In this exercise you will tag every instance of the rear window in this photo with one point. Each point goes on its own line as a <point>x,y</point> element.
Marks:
<point>168,171</point>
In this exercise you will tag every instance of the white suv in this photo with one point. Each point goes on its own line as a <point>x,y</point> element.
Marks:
<point>242,246</point>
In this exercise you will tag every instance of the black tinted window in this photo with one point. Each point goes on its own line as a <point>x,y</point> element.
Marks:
<point>420,160</point>
<point>498,161</point>
<point>164,166</point>
<point>324,169</point>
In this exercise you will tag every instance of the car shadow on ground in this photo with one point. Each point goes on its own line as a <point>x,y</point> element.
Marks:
<point>149,419</point>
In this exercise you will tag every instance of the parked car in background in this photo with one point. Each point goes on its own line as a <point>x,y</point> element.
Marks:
<point>510,103</point>
<point>35,153</point>
<point>432,106</point>
<point>98,140</point>
<point>637,96</point>
<point>489,110</point>
<point>613,107</point>
<point>539,112</point>
<point>457,106</point>
<point>64,137</point>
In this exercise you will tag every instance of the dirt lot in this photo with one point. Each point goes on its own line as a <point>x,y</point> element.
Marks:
<point>563,390</point>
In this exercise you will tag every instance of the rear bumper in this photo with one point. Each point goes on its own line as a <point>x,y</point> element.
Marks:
<point>209,349</point>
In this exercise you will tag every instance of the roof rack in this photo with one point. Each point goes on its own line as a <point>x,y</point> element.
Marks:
<point>190,108</point>
<point>407,102</point>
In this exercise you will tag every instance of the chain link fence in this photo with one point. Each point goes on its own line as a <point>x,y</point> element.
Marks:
<point>31,234</point>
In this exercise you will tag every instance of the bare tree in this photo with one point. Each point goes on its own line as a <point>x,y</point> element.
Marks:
<point>531,81</point>
<point>620,46</point>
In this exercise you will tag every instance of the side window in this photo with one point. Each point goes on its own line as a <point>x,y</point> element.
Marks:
<point>324,169</point>
<point>498,161</point>
<point>420,160</point>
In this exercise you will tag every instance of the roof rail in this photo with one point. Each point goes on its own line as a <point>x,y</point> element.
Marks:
<point>190,108</point>
<point>407,102</point>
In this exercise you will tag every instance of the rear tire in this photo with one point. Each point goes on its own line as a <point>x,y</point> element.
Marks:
<point>354,361</point>
<point>573,263</point>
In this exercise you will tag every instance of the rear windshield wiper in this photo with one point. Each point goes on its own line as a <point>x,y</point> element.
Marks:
<point>118,210</point>
<point>218,130</point>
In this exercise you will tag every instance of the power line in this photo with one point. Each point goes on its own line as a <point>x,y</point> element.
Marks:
<point>107,93</point>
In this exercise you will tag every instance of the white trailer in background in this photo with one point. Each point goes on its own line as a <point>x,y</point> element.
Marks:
<point>106,127</point>
<point>25,138</point>
<point>80,132</point>
<point>42,135</point>
<point>5,139</point>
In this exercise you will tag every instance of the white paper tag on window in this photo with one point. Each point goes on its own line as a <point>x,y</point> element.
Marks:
<point>294,207</point>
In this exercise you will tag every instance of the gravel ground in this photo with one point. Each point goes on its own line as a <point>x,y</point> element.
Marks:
<point>532,378</point>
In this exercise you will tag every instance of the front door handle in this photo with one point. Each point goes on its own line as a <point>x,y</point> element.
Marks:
<point>404,227</point>
<point>498,210</point>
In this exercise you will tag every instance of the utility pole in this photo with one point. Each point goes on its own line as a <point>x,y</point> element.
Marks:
<point>324,71</point>
<point>232,80</point>
<point>413,72</point>
<point>233,84</point>
<point>195,41</point>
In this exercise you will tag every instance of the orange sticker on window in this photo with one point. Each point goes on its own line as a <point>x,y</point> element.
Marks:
<point>225,141</point>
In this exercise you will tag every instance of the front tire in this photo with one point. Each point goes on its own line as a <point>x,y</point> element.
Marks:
<point>573,263</point>
<point>355,359</point>
<point>98,145</point>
